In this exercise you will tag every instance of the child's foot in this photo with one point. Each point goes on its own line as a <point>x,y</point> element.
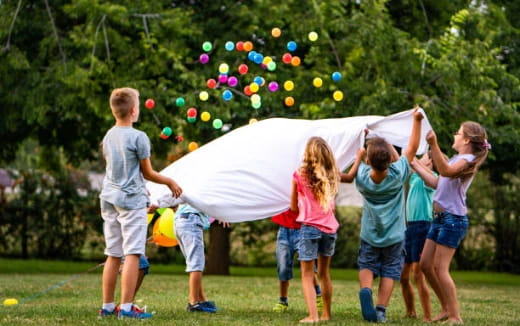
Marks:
<point>309,320</point>
<point>411,315</point>
<point>453,322</point>
<point>200,307</point>
<point>367,305</point>
<point>105,313</point>
<point>440,317</point>
<point>135,313</point>
<point>281,307</point>
<point>381,315</point>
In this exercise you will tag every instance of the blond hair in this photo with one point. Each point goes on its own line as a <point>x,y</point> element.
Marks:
<point>122,100</point>
<point>477,136</point>
<point>320,170</point>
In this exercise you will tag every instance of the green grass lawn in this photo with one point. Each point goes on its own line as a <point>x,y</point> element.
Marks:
<point>246,297</point>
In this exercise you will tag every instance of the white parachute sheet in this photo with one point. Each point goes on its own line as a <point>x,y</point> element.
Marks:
<point>246,174</point>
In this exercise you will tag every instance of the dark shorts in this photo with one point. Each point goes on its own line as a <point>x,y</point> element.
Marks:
<point>448,229</point>
<point>383,262</point>
<point>416,233</point>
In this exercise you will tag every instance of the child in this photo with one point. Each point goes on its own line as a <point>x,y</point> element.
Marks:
<point>123,202</point>
<point>287,242</point>
<point>315,184</point>
<point>450,223</point>
<point>381,183</point>
<point>189,226</point>
<point>419,213</point>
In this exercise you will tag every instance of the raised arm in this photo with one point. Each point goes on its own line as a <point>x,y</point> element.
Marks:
<point>425,173</point>
<point>415,136</point>
<point>440,161</point>
<point>349,177</point>
<point>150,174</point>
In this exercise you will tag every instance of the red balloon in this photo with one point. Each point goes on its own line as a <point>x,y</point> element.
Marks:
<point>192,112</point>
<point>286,58</point>
<point>240,46</point>
<point>243,68</point>
<point>149,103</point>
<point>212,83</point>
<point>247,90</point>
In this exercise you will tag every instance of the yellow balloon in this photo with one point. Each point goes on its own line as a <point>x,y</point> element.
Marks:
<point>166,224</point>
<point>10,302</point>
<point>252,120</point>
<point>266,60</point>
<point>192,146</point>
<point>160,239</point>
<point>313,36</point>
<point>205,116</point>
<point>203,96</point>
<point>288,85</point>
<point>254,87</point>
<point>276,32</point>
<point>317,82</point>
<point>337,95</point>
<point>150,217</point>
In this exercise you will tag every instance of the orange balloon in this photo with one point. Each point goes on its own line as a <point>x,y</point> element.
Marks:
<point>289,101</point>
<point>248,46</point>
<point>160,239</point>
<point>295,61</point>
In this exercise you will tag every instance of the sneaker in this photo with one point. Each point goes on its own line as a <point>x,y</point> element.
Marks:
<point>381,315</point>
<point>281,307</point>
<point>135,312</point>
<point>200,307</point>
<point>319,302</point>
<point>210,304</point>
<point>105,313</point>
<point>367,305</point>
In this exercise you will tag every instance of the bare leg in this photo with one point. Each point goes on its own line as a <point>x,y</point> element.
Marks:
<point>326,286</point>
<point>195,284</point>
<point>424,292</point>
<point>386,286</point>
<point>140,278</point>
<point>443,256</point>
<point>427,265</point>
<point>129,278</point>
<point>109,280</point>
<point>307,270</point>
<point>284,289</point>
<point>407,290</point>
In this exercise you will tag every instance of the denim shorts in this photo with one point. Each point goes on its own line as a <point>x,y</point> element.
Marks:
<point>448,229</point>
<point>416,232</point>
<point>143,264</point>
<point>383,262</point>
<point>189,233</point>
<point>314,242</point>
<point>287,242</point>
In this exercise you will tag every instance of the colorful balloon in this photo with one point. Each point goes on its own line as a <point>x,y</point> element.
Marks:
<point>256,105</point>
<point>223,68</point>
<point>203,96</point>
<point>292,46</point>
<point>254,87</point>
<point>240,46</point>
<point>252,120</point>
<point>180,102</point>
<point>336,76</point>
<point>273,86</point>
<point>295,61</point>
<point>289,101</point>
<point>227,95</point>
<point>248,46</point>
<point>149,104</point>
<point>255,98</point>
<point>191,119</point>
<point>276,32</point>
<point>259,80</point>
<point>205,116</point>
<point>286,58</point>
<point>217,123</point>
<point>191,112</point>
<point>288,85</point>
<point>242,69</point>
<point>247,90</point>
<point>222,78</point>
<point>230,46</point>
<point>232,81</point>
<point>166,224</point>
<point>313,36</point>
<point>206,46</point>
<point>204,58</point>
<point>271,66</point>
<point>167,131</point>
<point>258,58</point>
<point>211,83</point>
<point>192,146</point>
<point>317,82</point>
<point>337,96</point>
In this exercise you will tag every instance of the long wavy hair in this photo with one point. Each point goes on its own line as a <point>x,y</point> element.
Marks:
<point>320,170</point>
<point>477,136</point>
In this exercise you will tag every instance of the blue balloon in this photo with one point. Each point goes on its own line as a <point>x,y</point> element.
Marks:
<point>227,95</point>
<point>291,46</point>
<point>251,55</point>
<point>258,58</point>
<point>230,46</point>
<point>336,76</point>
<point>258,80</point>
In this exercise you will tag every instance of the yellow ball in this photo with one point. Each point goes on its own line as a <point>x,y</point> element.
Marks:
<point>192,146</point>
<point>288,85</point>
<point>203,96</point>
<point>166,225</point>
<point>276,32</point>
<point>10,302</point>
<point>205,116</point>
<point>337,95</point>
<point>254,87</point>
<point>317,82</point>
<point>313,36</point>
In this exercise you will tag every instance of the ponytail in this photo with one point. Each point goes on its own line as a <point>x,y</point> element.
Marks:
<point>479,147</point>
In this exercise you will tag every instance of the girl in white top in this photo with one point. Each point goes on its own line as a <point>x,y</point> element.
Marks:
<point>450,223</point>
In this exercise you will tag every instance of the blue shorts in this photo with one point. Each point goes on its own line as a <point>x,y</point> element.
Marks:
<point>287,242</point>
<point>189,233</point>
<point>143,264</point>
<point>448,229</point>
<point>383,262</point>
<point>416,232</point>
<point>314,242</point>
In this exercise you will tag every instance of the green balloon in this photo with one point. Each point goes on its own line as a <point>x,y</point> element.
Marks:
<point>217,123</point>
<point>271,66</point>
<point>180,102</point>
<point>167,131</point>
<point>256,105</point>
<point>191,119</point>
<point>206,46</point>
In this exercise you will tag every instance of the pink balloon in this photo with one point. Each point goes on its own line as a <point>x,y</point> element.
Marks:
<point>273,86</point>
<point>222,79</point>
<point>204,58</point>
<point>232,81</point>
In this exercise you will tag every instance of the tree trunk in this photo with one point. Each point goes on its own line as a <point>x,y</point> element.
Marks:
<point>218,259</point>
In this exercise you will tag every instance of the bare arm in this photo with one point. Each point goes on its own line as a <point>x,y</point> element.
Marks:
<point>425,173</point>
<point>150,174</point>
<point>349,177</point>
<point>440,161</point>
<point>294,198</point>
<point>393,153</point>
<point>415,137</point>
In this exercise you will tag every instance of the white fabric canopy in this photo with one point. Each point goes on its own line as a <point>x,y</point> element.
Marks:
<point>246,174</point>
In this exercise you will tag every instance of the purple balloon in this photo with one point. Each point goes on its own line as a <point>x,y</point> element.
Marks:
<point>222,79</point>
<point>273,86</point>
<point>232,81</point>
<point>204,58</point>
